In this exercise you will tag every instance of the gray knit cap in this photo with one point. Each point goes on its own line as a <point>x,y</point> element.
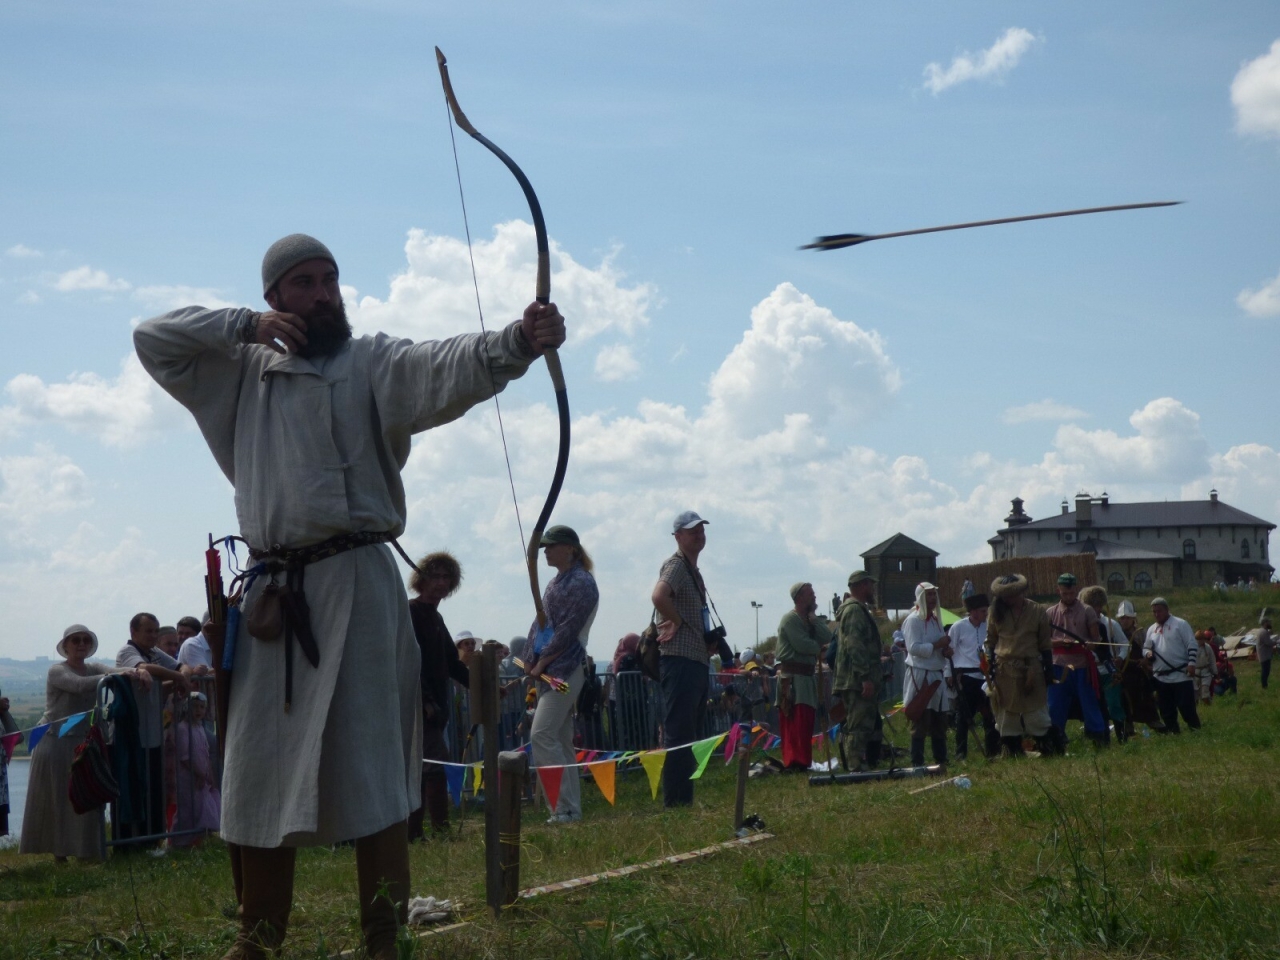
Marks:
<point>287,252</point>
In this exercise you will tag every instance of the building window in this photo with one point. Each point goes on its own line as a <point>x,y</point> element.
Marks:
<point>1244,549</point>
<point>1188,549</point>
<point>1115,583</point>
<point>1142,582</point>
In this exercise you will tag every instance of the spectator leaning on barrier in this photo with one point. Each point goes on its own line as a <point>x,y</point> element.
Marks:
<point>49,823</point>
<point>801,638</point>
<point>859,677</point>
<point>194,652</point>
<point>438,576</point>
<point>169,641</point>
<point>570,601</point>
<point>143,651</point>
<point>967,639</point>
<point>684,620</point>
<point>1171,647</point>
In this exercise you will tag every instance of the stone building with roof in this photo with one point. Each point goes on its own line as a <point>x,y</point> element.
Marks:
<point>1142,547</point>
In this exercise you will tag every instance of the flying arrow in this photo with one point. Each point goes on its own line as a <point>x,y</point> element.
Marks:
<point>836,241</point>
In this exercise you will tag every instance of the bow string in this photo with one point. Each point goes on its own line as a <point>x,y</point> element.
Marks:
<point>552,356</point>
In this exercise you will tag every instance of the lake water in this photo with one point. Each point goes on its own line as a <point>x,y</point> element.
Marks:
<point>19,771</point>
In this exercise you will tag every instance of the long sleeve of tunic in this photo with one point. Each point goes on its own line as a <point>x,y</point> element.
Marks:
<point>570,600</point>
<point>858,650</point>
<point>68,692</point>
<point>800,642</point>
<point>314,448</point>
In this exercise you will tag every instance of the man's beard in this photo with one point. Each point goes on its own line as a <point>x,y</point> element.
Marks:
<point>327,330</point>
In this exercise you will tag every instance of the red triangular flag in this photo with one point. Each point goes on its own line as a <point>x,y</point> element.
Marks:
<point>580,755</point>
<point>550,778</point>
<point>731,742</point>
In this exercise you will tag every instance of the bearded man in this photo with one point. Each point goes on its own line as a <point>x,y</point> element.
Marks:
<point>312,428</point>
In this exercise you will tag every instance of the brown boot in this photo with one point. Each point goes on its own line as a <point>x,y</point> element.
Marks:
<point>382,871</point>
<point>264,888</point>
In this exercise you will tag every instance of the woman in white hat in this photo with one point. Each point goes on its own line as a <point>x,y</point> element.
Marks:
<point>49,824</point>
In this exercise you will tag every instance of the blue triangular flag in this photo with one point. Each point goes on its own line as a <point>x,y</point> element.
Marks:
<point>454,775</point>
<point>37,734</point>
<point>70,722</point>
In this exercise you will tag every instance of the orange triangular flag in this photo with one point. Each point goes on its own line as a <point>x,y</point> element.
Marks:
<point>652,761</point>
<point>550,778</point>
<point>603,775</point>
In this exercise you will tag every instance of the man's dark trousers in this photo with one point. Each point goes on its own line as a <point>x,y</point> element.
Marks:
<point>684,692</point>
<point>974,701</point>
<point>1174,699</point>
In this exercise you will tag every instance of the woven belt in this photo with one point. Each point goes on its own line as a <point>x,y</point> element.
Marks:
<point>797,667</point>
<point>279,558</point>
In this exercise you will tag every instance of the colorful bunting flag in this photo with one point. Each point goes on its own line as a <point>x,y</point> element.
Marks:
<point>70,722</point>
<point>10,741</point>
<point>455,775</point>
<point>731,741</point>
<point>37,734</point>
<point>603,774</point>
<point>580,756</point>
<point>702,751</point>
<point>478,783</point>
<point>550,778</point>
<point>653,762</point>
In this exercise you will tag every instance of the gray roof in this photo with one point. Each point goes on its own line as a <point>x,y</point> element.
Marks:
<point>1102,549</point>
<point>1159,513</point>
<point>900,545</point>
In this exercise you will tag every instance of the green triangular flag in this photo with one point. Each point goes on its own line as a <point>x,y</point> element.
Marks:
<point>702,751</point>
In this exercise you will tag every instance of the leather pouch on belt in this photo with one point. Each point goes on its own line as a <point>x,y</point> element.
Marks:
<point>266,616</point>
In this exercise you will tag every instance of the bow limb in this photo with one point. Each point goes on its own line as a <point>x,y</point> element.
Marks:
<point>550,354</point>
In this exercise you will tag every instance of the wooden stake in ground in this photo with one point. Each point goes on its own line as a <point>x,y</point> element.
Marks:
<point>513,765</point>
<point>744,765</point>
<point>484,709</point>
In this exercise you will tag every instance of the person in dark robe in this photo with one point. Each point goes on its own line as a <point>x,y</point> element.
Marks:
<point>438,576</point>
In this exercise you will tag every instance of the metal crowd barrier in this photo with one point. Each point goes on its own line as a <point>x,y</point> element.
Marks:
<point>168,780</point>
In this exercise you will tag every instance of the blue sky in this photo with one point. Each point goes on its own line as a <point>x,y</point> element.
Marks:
<point>809,404</point>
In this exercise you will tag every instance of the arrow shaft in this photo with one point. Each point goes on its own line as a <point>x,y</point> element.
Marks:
<point>1034,216</point>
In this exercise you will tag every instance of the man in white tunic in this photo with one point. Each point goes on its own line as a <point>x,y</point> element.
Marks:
<point>928,660</point>
<point>312,428</point>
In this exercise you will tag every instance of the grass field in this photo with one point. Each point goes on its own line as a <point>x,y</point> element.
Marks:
<point>1165,847</point>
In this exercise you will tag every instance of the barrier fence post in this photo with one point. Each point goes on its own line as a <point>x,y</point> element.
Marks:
<point>513,766</point>
<point>744,764</point>
<point>487,706</point>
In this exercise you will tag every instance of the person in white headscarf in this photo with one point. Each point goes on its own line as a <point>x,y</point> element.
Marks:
<point>928,652</point>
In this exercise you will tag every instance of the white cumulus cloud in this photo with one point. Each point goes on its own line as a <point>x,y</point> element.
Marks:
<point>1262,302</point>
<point>990,64</point>
<point>1168,446</point>
<point>118,411</point>
<point>1050,410</point>
<point>616,362</point>
<point>87,278</point>
<point>21,251</point>
<point>1255,93</point>
<point>798,358</point>
<point>35,485</point>
<point>433,296</point>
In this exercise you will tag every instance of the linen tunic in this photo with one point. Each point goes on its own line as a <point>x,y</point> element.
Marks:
<point>797,643</point>
<point>314,448</point>
<point>925,663</point>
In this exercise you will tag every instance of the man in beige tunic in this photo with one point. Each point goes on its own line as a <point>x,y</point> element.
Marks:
<point>1019,649</point>
<point>312,427</point>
